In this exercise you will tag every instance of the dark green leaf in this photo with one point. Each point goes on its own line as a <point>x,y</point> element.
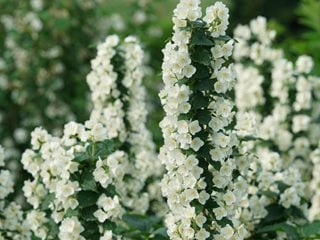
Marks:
<point>141,222</point>
<point>294,212</point>
<point>91,230</point>
<point>275,214</point>
<point>223,38</point>
<point>199,101</point>
<point>72,212</point>
<point>109,225</point>
<point>197,206</point>
<point>161,232</point>
<point>310,229</point>
<point>87,198</point>
<point>269,194</point>
<point>201,55</point>
<point>204,116</point>
<point>224,221</point>
<point>211,204</point>
<point>33,237</point>
<point>87,213</point>
<point>111,190</point>
<point>53,228</point>
<point>46,201</point>
<point>197,24</point>
<point>282,227</point>
<point>81,157</point>
<point>87,181</point>
<point>282,186</point>
<point>249,138</point>
<point>201,72</point>
<point>185,116</point>
<point>204,84</point>
<point>200,38</point>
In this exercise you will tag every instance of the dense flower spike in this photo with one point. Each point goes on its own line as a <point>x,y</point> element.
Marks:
<point>12,222</point>
<point>93,175</point>
<point>280,97</point>
<point>203,183</point>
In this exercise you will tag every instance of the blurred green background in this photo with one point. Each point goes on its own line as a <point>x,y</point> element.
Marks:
<point>46,47</point>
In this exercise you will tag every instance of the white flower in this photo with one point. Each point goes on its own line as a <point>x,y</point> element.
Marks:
<point>304,64</point>
<point>225,75</point>
<point>220,212</point>
<point>196,144</point>
<point>200,220</point>
<point>107,235</point>
<point>229,198</point>
<point>71,229</point>
<point>227,232</point>
<point>188,71</point>
<point>194,127</point>
<point>202,234</point>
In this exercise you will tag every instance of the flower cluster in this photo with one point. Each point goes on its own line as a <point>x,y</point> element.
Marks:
<point>203,183</point>
<point>86,180</point>
<point>42,57</point>
<point>279,97</point>
<point>12,222</point>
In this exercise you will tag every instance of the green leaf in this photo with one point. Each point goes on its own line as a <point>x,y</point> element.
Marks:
<point>184,116</point>
<point>142,223</point>
<point>282,227</point>
<point>204,84</point>
<point>33,237</point>
<point>52,227</point>
<point>199,101</point>
<point>87,198</point>
<point>183,81</point>
<point>46,201</point>
<point>203,116</point>
<point>198,207</point>
<point>204,152</point>
<point>197,24</point>
<point>224,221</point>
<point>203,135</point>
<point>295,212</point>
<point>201,72</point>
<point>200,38</point>
<point>81,157</point>
<point>249,138</point>
<point>201,55</point>
<point>91,230</point>
<point>72,212</point>
<point>275,214</point>
<point>269,194</point>
<point>101,149</point>
<point>87,213</point>
<point>111,190</point>
<point>161,232</point>
<point>223,38</point>
<point>310,229</point>
<point>282,186</point>
<point>211,204</point>
<point>109,225</point>
<point>87,181</point>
